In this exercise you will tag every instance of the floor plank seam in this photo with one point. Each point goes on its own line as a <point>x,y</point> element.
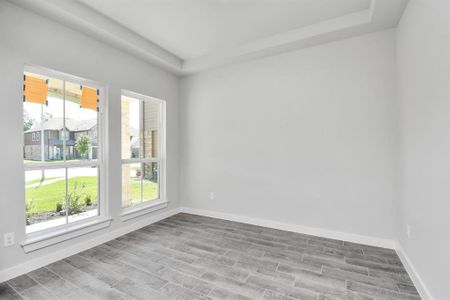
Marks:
<point>197,257</point>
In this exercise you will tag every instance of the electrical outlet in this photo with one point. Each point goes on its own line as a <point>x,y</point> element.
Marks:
<point>8,239</point>
<point>211,195</point>
<point>408,231</point>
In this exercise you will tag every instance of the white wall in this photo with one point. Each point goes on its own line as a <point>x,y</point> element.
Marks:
<point>29,38</point>
<point>423,57</point>
<point>307,137</point>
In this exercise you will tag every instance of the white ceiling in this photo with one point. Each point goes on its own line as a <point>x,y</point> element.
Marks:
<point>188,36</point>
<point>194,28</point>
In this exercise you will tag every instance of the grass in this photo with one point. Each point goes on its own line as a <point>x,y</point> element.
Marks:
<point>150,190</point>
<point>45,197</point>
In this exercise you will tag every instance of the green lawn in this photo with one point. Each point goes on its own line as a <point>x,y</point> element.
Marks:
<point>46,196</point>
<point>150,190</point>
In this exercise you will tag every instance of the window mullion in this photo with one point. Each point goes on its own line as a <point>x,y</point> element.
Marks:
<point>67,195</point>
<point>30,167</point>
<point>99,193</point>
<point>142,182</point>
<point>64,121</point>
<point>64,152</point>
<point>140,160</point>
<point>141,128</point>
<point>141,154</point>
<point>42,133</point>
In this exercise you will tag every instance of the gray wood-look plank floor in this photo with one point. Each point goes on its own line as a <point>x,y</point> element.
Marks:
<point>193,257</point>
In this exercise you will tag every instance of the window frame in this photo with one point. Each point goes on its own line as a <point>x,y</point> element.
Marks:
<point>102,216</point>
<point>161,202</point>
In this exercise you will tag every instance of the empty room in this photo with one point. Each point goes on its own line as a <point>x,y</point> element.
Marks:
<point>225,149</point>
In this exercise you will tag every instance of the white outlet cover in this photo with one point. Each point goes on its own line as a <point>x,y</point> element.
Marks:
<point>8,239</point>
<point>211,195</point>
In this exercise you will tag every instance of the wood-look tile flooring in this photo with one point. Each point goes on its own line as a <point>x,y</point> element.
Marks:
<point>193,257</point>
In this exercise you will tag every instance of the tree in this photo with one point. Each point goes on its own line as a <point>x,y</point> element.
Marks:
<point>47,116</point>
<point>82,145</point>
<point>28,121</point>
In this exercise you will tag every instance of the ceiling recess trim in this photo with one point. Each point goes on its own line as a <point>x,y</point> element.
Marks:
<point>380,15</point>
<point>294,39</point>
<point>83,19</point>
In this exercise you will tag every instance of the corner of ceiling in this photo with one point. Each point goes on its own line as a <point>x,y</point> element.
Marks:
<point>379,15</point>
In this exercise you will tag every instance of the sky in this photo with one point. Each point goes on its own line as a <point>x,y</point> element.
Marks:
<point>73,111</point>
<point>55,108</point>
<point>55,104</point>
<point>134,114</point>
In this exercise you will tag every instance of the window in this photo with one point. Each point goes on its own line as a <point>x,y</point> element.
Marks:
<point>142,149</point>
<point>62,127</point>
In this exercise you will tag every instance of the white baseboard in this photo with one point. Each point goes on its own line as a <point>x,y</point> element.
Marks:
<point>42,261</point>
<point>350,237</point>
<point>415,277</point>
<point>355,238</point>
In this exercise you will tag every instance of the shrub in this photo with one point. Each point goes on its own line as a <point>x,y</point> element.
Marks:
<point>88,200</point>
<point>151,174</point>
<point>74,199</point>
<point>28,210</point>
<point>59,206</point>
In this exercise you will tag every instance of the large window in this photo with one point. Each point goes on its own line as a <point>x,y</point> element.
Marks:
<point>62,151</point>
<point>142,149</point>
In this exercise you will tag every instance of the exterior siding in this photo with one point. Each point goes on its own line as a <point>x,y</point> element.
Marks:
<point>53,144</point>
<point>151,120</point>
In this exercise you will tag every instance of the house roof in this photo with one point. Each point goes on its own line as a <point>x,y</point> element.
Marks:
<point>71,125</point>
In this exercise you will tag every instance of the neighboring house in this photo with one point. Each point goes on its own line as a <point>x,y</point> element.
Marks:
<point>54,139</point>
<point>134,142</point>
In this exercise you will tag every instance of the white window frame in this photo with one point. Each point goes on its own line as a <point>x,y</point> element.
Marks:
<point>156,204</point>
<point>43,238</point>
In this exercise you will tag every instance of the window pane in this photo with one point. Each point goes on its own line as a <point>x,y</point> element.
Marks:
<point>150,186</point>
<point>43,124</point>
<point>130,127</point>
<point>131,184</point>
<point>82,193</point>
<point>151,116</point>
<point>45,192</point>
<point>81,127</point>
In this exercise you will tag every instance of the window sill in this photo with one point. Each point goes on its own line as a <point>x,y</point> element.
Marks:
<point>57,224</point>
<point>38,241</point>
<point>140,210</point>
